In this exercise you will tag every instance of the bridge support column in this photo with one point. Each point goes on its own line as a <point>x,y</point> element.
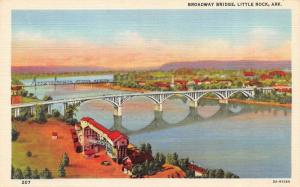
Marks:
<point>193,104</point>
<point>223,101</point>
<point>32,110</point>
<point>118,111</point>
<point>65,107</point>
<point>50,109</point>
<point>158,107</point>
<point>16,112</point>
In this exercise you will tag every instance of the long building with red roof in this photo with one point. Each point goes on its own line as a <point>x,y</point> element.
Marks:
<point>94,136</point>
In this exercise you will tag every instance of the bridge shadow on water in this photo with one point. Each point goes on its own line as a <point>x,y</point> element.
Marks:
<point>225,111</point>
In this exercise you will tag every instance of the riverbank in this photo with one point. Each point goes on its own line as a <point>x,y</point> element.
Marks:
<point>261,103</point>
<point>255,102</point>
<point>47,152</point>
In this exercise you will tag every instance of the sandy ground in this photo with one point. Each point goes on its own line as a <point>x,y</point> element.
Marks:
<point>48,152</point>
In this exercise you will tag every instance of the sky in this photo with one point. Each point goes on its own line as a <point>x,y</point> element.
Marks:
<point>127,39</point>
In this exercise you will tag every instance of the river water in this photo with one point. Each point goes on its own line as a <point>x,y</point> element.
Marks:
<point>251,141</point>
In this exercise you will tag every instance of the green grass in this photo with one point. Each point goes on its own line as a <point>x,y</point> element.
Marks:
<point>29,100</point>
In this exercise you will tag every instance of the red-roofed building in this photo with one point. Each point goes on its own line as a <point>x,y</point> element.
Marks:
<point>54,135</point>
<point>197,81</point>
<point>95,136</point>
<point>162,85</point>
<point>199,171</point>
<point>264,77</point>
<point>249,74</point>
<point>277,73</point>
<point>134,156</point>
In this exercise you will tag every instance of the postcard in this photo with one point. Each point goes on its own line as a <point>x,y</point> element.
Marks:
<point>131,93</point>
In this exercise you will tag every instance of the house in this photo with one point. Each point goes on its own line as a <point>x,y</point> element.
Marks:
<point>54,136</point>
<point>277,73</point>
<point>162,85</point>
<point>16,98</point>
<point>141,83</point>
<point>206,80</point>
<point>134,156</point>
<point>197,81</point>
<point>254,83</point>
<point>282,88</point>
<point>249,74</point>
<point>199,171</point>
<point>264,77</point>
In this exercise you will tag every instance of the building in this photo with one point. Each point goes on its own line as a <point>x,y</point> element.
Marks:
<point>162,85</point>
<point>134,156</point>
<point>264,77</point>
<point>16,97</point>
<point>249,74</point>
<point>277,73</point>
<point>199,171</point>
<point>93,137</point>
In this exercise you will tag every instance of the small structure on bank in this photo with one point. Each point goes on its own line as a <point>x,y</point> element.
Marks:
<point>54,135</point>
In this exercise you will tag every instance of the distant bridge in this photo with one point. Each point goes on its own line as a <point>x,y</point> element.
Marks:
<point>157,97</point>
<point>66,82</point>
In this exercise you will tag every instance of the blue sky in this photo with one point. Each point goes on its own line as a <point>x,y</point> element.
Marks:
<point>103,25</point>
<point>222,30</point>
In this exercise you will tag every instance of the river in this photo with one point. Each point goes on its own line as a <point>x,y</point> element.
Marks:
<point>251,141</point>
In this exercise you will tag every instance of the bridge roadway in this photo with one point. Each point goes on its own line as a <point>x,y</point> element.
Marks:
<point>157,97</point>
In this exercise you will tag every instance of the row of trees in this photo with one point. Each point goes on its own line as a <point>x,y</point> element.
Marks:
<point>28,173</point>
<point>273,96</point>
<point>218,173</point>
<point>149,167</point>
<point>61,172</point>
<point>14,134</point>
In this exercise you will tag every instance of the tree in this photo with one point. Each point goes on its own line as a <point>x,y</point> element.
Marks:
<point>35,174</point>
<point>61,172</point>
<point>40,115</point>
<point>12,171</point>
<point>47,98</point>
<point>14,134</point>
<point>143,147</point>
<point>70,111</point>
<point>65,160</point>
<point>18,174</point>
<point>27,173</point>
<point>169,158</point>
<point>220,173</point>
<point>148,148</point>
<point>28,154</point>
<point>210,173</point>
<point>46,174</point>
<point>228,174</point>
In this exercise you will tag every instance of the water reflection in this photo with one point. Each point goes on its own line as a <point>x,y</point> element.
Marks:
<point>224,111</point>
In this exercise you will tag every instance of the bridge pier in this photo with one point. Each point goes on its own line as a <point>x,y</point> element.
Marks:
<point>158,107</point>
<point>65,107</point>
<point>117,111</point>
<point>193,104</point>
<point>50,109</point>
<point>32,110</point>
<point>17,112</point>
<point>223,101</point>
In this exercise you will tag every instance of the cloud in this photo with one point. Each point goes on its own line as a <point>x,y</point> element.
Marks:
<point>131,50</point>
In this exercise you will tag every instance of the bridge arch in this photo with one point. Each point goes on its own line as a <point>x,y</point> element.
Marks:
<point>219,95</point>
<point>245,93</point>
